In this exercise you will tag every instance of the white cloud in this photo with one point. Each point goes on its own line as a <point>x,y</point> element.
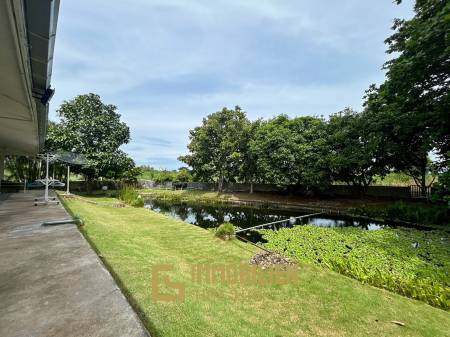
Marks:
<point>168,63</point>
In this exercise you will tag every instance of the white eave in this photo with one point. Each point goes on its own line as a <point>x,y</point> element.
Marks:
<point>27,32</point>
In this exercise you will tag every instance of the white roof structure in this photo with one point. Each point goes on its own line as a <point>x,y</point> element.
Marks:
<point>27,39</point>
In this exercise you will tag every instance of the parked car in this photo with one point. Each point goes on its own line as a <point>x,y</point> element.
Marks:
<point>56,183</point>
<point>35,184</point>
<point>40,183</point>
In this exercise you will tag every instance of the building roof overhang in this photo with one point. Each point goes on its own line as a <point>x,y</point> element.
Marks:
<point>27,37</point>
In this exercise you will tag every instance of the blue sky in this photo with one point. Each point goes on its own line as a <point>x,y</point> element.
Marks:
<point>168,63</point>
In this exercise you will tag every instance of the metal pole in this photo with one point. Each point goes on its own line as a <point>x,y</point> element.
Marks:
<point>68,178</point>
<point>278,221</point>
<point>46,179</point>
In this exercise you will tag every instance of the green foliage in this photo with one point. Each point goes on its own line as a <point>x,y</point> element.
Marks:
<point>384,258</point>
<point>162,176</point>
<point>354,155</point>
<point>398,179</point>
<point>249,170</point>
<point>292,151</point>
<point>410,109</point>
<point>404,120</point>
<point>225,231</point>
<point>194,197</point>
<point>130,196</point>
<point>159,176</point>
<point>443,186</point>
<point>183,175</point>
<point>428,215</point>
<point>21,168</point>
<point>92,128</point>
<point>215,148</point>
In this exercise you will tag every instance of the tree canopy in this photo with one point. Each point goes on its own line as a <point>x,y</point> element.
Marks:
<point>94,129</point>
<point>355,153</point>
<point>215,148</point>
<point>411,108</point>
<point>291,151</point>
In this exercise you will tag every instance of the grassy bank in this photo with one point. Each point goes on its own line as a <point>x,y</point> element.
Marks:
<point>198,197</point>
<point>410,262</point>
<point>319,303</point>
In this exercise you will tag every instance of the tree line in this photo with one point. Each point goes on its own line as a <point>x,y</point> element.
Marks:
<point>404,120</point>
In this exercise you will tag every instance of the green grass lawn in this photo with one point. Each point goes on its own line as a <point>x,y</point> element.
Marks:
<point>320,303</point>
<point>399,179</point>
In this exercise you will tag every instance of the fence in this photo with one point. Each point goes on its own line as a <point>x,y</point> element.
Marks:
<point>154,184</point>
<point>395,192</point>
<point>416,192</point>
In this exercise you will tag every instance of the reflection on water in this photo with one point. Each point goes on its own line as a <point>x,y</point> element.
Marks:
<point>212,216</point>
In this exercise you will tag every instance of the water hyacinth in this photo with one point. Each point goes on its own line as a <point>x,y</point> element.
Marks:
<point>409,262</point>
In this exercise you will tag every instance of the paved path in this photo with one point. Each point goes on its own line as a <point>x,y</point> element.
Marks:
<point>51,281</point>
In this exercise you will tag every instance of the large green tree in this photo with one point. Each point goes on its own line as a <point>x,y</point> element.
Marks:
<point>292,152</point>
<point>249,171</point>
<point>356,152</point>
<point>88,126</point>
<point>215,148</point>
<point>411,108</point>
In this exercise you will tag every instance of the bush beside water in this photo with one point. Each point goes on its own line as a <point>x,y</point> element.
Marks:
<point>409,262</point>
<point>225,231</point>
<point>131,197</point>
<point>195,197</point>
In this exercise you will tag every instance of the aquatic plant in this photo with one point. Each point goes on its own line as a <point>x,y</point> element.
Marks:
<point>409,262</point>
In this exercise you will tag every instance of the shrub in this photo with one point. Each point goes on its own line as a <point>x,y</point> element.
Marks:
<point>442,187</point>
<point>225,231</point>
<point>131,197</point>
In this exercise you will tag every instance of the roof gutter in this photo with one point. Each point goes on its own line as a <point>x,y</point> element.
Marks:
<point>41,22</point>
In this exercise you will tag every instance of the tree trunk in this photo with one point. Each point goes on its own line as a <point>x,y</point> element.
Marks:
<point>251,187</point>
<point>423,177</point>
<point>220,183</point>
<point>88,185</point>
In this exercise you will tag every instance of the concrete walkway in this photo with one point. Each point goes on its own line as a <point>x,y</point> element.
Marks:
<point>51,282</point>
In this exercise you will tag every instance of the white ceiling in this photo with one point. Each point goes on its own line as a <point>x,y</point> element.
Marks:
<point>18,116</point>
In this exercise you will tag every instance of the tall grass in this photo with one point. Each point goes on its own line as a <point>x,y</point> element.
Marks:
<point>197,197</point>
<point>130,196</point>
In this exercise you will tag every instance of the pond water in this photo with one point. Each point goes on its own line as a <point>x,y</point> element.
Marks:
<point>245,217</point>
